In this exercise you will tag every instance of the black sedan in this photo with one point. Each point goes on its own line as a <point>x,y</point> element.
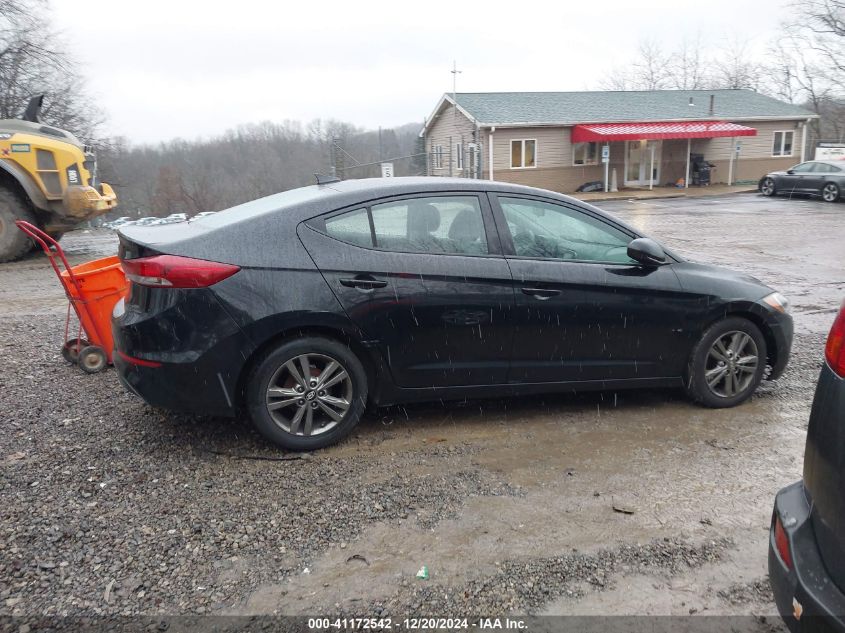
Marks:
<point>303,307</point>
<point>807,535</point>
<point>824,178</point>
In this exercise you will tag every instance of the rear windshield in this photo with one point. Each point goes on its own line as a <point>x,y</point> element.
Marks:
<point>286,199</point>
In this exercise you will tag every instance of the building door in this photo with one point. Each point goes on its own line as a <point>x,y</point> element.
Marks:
<point>638,162</point>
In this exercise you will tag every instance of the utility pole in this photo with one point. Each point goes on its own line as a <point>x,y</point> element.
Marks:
<point>455,72</point>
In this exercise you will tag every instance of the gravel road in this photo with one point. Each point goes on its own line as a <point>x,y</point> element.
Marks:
<point>628,503</point>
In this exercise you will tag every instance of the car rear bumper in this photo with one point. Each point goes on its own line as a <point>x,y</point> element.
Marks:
<point>185,356</point>
<point>177,387</point>
<point>807,588</point>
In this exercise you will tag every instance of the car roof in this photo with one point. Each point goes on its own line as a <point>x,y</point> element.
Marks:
<point>306,202</point>
<point>835,162</point>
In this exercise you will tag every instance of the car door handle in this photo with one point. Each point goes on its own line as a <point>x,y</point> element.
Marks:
<point>540,293</point>
<point>363,283</point>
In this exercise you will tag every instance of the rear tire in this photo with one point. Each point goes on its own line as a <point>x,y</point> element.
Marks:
<point>830,192</point>
<point>767,186</point>
<point>302,412</point>
<point>727,364</point>
<point>71,349</point>
<point>14,243</point>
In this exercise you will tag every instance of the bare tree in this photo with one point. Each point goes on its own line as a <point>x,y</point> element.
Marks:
<point>33,61</point>
<point>807,65</point>
<point>735,67</point>
<point>687,68</point>
<point>647,72</point>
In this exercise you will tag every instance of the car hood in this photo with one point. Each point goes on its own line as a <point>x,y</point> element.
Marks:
<point>777,173</point>
<point>720,282</point>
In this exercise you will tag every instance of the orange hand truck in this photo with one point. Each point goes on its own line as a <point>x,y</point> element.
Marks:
<point>92,289</point>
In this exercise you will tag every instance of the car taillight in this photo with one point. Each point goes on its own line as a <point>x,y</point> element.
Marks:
<point>782,543</point>
<point>834,351</point>
<point>172,271</point>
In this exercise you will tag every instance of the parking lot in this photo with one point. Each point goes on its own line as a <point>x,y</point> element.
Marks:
<point>622,503</point>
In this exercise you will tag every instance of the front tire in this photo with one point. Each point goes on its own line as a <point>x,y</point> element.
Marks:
<point>830,192</point>
<point>14,243</point>
<point>767,186</point>
<point>307,393</point>
<point>727,364</point>
<point>92,359</point>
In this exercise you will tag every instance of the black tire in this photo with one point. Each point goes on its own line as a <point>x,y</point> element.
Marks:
<point>92,359</point>
<point>830,192</point>
<point>767,186</point>
<point>71,349</point>
<point>273,367</point>
<point>703,366</point>
<point>56,235</point>
<point>14,243</point>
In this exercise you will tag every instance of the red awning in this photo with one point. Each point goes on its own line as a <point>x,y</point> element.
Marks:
<point>657,130</point>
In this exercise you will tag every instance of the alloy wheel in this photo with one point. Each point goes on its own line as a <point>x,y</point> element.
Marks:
<point>830,192</point>
<point>309,395</point>
<point>768,187</point>
<point>731,364</point>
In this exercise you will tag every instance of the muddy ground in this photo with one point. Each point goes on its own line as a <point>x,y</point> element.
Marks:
<point>110,507</point>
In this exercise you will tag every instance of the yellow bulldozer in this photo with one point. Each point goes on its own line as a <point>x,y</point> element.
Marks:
<point>47,177</point>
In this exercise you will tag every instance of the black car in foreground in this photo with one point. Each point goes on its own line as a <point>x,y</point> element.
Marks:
<point>823,178</point>
<point>807,535</point>
<point>304,306</point>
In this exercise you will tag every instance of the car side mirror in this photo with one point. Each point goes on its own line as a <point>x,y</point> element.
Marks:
<point>790,171</point>
<point>646,252</point>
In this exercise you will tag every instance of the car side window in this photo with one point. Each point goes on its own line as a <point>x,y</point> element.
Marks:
<point>352,227</point>
<point>833,169</point>
<point>803,168</point>
<point>441,224</point>
<point>552,231</point>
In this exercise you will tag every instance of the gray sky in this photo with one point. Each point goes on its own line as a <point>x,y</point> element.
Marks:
<point>194,68</point>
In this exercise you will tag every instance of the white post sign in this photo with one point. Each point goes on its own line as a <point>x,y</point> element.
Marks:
<point>387,170</point>
<point>605,158</point>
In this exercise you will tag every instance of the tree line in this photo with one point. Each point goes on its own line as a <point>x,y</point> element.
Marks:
<point>249,162</point>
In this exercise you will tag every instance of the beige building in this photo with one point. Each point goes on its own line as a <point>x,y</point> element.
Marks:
<point>559,140</point>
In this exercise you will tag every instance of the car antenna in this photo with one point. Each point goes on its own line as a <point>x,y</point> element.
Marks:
<point>325,180</point>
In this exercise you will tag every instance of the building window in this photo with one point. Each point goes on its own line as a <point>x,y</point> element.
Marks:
<point>523,153</point>
<point>459,155</point>
<point>437,156</point>
<point>782,143</point>
<point>585,153</point>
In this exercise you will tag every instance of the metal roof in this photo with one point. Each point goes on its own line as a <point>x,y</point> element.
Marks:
<point>569,108</point>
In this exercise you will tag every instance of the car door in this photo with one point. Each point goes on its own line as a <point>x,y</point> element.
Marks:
<point>425,280</point>
<point>796,179</point>
<point>811,181</point>
<point>584,311</point>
